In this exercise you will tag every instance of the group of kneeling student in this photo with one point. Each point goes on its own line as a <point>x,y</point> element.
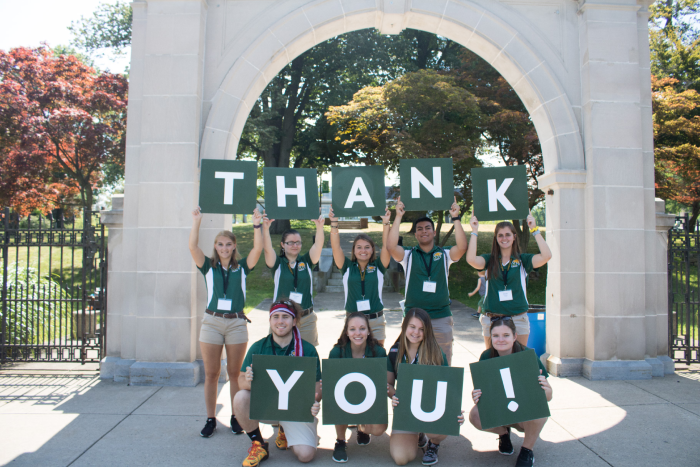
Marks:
<point>426,332</point>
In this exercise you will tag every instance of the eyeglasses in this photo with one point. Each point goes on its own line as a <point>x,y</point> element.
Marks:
<point>292,243</point>
<point>500,318</point>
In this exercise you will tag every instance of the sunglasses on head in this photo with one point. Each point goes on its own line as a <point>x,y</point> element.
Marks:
<point>500,318</point>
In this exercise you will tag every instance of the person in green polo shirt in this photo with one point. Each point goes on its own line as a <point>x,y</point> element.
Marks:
<point>504,342</point>
<point>284,340</point>
<point>507,272</point>
<point>426,267</point>
<point>292,273</point>
<point>363,275</point>
<point>356,341</point>
<point>224,322</point>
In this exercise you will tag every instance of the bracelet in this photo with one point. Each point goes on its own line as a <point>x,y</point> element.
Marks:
<point>388,223</point>
<point>259,226</point>
<point>475,234</point>
<point>532,230</point>
<point>334,226</point>
<point>536,232</point>
<point>456,219</point>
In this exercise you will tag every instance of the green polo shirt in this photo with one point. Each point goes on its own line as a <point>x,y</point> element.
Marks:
<point>346,352</point>
<point>486,354</point>
<point>264,347</point>
<point>437,304</point>
<point>517,283</point>
<point>284,279</point>
<point>352,285</point>
<point>214,281</point>
<point>393,366</point>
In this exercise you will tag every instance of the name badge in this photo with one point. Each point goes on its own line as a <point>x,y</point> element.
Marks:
<point>296,297</point>
<point>224,304</point>
<point>363,305</point>
<point>429,286</point>
<point>505,295</point>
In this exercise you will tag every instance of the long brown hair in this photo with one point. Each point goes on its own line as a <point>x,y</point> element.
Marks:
<point>429,352</point>
<point>367,239</point>
<point>344,339</point>
<point>286,234</point>
<point>517,346</point>
<point>215,260</point>
<point>494,267</point>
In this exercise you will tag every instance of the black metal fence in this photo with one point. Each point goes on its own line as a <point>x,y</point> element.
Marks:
<point>54,297</point>
<point>683,292</point>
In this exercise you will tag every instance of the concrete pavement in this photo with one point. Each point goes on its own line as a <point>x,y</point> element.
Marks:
<point>73,418</point>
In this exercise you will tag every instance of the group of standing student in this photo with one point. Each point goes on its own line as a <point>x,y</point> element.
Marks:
<point>426,334</point>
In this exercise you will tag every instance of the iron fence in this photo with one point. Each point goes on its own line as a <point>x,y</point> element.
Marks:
<point>54,296</point>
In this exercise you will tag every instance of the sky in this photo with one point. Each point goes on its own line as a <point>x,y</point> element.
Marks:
<point>29,23</point>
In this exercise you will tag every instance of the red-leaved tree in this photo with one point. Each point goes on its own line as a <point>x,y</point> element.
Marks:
<point>61,124</point>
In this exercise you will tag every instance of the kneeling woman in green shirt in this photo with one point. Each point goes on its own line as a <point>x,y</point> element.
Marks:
<point>415,345</point>
<point>363,275</point>
<point>356,341</point>
<point>507,272</point>
<point>504,342</point>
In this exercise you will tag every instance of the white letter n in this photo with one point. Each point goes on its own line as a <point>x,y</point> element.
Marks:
<point>418,179</point>
<point>284,388</point>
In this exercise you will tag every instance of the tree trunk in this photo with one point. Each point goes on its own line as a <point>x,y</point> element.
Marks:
<point>280,226</point>
<point>695,213</point>
<point>438,229</point>
<point>447,235</point>
<point>523,234</point>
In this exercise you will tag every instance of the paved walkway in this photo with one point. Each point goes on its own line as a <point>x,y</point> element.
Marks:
<point>75,419</point>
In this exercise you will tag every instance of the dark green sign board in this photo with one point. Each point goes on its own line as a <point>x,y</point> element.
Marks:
<point>426,184</point>
<point>430,399</point>
<point>500,193</point>
<point>510,391</point>
<point>354,391</point>
<point>228,187</point>
<point>283,388</point>
<point>358,191</point>
<point>291,193</point>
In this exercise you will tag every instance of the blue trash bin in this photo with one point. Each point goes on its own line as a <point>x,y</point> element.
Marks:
<point>538,329</point>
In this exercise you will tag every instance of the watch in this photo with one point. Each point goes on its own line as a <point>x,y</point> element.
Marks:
<point>456,219</point>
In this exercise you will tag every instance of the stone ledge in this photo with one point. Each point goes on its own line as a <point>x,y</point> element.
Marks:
<point>668,363</point>
<point>563,367</point>
<point>164,374</point>
<point>563,179</point>
<point>616,369</point>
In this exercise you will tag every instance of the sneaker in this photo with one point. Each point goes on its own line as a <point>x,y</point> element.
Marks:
<point>209,428</point>
<point>235,427</point>
<point>363,438</point>
<point>256,454</point>
<point>339,453</point>
<point>431,454</point>
<point>281,440</point>
<point>505,447</point>
<point>526,458</point>
<point>422,440</point>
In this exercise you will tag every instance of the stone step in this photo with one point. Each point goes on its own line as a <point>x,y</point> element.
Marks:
<point>336,276</point>
<point>334,288</point>
<point>335,282</point>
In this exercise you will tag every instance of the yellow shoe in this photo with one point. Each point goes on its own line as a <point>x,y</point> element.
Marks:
<point>256,454</point>
<point>281,440</point>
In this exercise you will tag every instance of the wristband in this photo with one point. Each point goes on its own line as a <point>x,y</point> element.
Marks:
<point>536,232</point>
<point>475,234</point>
<point>388,223</point>
<point>259,226</point>
<point>456,219</point>
<point>532,230</point>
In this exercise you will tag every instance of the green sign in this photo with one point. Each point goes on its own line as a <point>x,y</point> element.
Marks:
<point>283,388</point>
<point>325,187</point>
<point>510,391</point>
<point>500,193</point>
<point>426,184</point>
<point>358,191</point>
<point>354,391</point>
<point>291,193</point>
<point>228,187</point>
<point>430,399</point>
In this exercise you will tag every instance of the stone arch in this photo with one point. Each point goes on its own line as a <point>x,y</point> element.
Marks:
<point>466,23</point>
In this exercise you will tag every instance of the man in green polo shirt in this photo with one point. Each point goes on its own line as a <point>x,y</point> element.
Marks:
<point>426,267</point>
<point>285,340</point>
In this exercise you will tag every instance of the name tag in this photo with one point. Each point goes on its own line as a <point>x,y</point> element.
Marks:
<point>505,295</point>
<point>363,305</point>
<point>224,304</point>
<point>429,286</point>
<point>296,297</point>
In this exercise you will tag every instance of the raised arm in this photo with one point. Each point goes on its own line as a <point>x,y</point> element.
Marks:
<point>460,238</point>
<point>475,261</point>
<point>255,253</point>
<point>270,255</point>
<point>545,254</point>
<point>195,251</point>
<point>385,256</point>
<point>338,255</point>
<point>319,239</point>
<point>392,240</point>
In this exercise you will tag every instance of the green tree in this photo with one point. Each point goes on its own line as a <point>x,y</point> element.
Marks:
<point>108,29</point>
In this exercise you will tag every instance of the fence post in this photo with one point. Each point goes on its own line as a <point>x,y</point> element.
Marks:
<point>87,220</point>
<point>5,259</point>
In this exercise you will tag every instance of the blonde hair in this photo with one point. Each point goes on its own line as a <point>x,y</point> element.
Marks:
<point>429,352</point>
<point>215,260</point>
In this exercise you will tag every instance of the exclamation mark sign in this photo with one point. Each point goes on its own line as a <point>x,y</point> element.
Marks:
<point>508,386</point>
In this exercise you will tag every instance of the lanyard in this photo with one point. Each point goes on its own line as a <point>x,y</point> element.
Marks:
<point>362,279</point>
<point>288,351</point>
<point>428,267</point>
<point>504,271</point>
<point>225,278</point>
<point>295,271</point>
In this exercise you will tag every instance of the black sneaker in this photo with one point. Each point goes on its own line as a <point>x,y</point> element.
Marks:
<point>209,428</point>
<point>363,438</point>
<point>235,427</point>
<point>422,440</point>
<point>505,447</point>
<point>526,458</point>
<point>339,454</point>
<point>431,454</point>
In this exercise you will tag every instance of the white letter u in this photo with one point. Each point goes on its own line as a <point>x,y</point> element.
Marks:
<point>440,399</point>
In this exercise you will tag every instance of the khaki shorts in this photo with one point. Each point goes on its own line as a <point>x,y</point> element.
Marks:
<point>521,321</point>
<point>300,433</point>
<point>443,330</point>
<point>220,331</point>
<point>307,328</point>
<point>378,327</point>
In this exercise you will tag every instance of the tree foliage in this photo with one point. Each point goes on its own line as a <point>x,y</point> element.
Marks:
<point>109,28</point>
